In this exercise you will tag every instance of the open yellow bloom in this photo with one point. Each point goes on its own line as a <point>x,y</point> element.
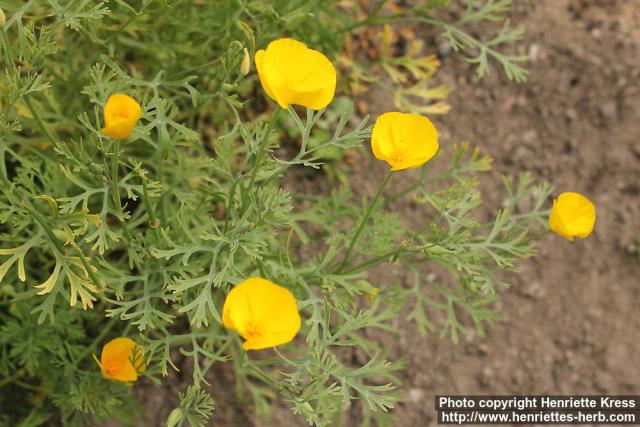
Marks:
<point>404,140</point>
<point>121,113</point>
<point>116,360</point>
<point>572,215</point>
<point>291,73</point>
<point>263,313</point>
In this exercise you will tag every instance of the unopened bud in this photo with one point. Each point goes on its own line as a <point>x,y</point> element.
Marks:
<point>372,294</point>
<point>176,416</point>
<point>194,182</point>
<point>3,18</point>
<point>246,63</point>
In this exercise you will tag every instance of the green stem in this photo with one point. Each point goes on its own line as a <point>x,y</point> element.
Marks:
<point>283,357</point>
<point>256,165</point>
<point>364,220</point>
<point>538,235</point>
<point>7,46</point>
<point>375,261</point>
<point>147,202</point>
<point>39,121</point>
<point>87,267</point>
<point>43,223</point>
<point>27,385</point>
<point>20,297</point>
<point>114,176</point>
<point>99,338</point>
<point>56,243</point>
<point>421,182</point>
<point>262,149</point>
<point>12,378</point>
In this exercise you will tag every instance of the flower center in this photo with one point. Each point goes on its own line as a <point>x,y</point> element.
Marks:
<point>252,331</point>
<point>398,150</point>
<point>112,368</point>
<point>122,113</point>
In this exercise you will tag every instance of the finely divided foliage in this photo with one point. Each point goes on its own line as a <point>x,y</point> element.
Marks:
<point>144,238</point>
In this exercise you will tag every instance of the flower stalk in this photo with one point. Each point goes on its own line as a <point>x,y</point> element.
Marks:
<point>363,221</point>
<point>38,119</point>
<point>115,184</point>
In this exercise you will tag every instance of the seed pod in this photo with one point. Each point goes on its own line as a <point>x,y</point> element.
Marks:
<point>246,63</point>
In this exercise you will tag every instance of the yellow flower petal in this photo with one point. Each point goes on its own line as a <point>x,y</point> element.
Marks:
<point>115,360</point>
<point>404,140</point>
<point>291,73</point>
<point>263,313</point>
<point>121,113</point>
<point>261,74</point>
<point>572,215</point>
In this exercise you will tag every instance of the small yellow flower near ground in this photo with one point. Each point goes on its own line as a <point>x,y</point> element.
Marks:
<point>116,360</point>
<point>263,313</point>
<point>291,73</point>
<point>572,215</point>
<point>404,140</point>
<point>121,113</point>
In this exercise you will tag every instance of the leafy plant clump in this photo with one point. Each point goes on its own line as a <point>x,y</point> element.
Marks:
<point>144,238</point>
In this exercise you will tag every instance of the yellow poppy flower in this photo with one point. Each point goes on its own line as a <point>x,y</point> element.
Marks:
<point>263,313</point>
<point>121,113</point>
<point>291,73</point>
<point>572,215</point>
<point>116,360</point>
<point>404,140</point>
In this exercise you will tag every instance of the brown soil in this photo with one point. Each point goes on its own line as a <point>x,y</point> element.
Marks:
<point>570,322</point>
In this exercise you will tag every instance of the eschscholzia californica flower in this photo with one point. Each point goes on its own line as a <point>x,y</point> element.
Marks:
<point>572,215</point>
<point>263,313</point>
<point>404,140</point>
<point>291,73</point>
<point>116,360</point>
<point>121,113</point>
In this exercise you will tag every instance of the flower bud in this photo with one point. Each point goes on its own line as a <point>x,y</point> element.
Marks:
<point>572,215</point>
<point>175,417</point>
<point>3,18</point>
<point>121,113</point>
<point>372,294</point>
<point>194,182</point>
<point>246,63</point>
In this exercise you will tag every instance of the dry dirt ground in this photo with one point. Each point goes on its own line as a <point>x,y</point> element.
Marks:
<point>571,320</point>
<point>570,323</point>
